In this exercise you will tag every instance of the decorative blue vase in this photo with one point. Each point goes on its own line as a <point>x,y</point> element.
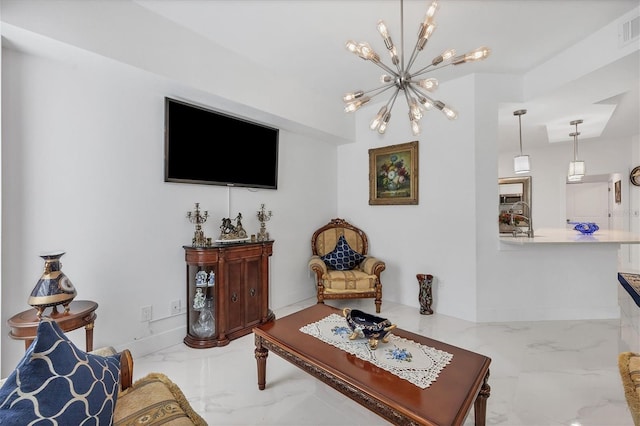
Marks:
<point>54,287</point>
<point>585,228</point>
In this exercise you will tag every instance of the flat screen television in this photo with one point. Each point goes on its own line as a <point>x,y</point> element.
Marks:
<point>203,146</point>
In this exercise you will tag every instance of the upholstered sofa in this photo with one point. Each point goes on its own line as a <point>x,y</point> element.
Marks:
<point>58,383</point>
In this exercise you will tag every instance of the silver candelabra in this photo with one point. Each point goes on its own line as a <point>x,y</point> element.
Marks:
<point>263,217</point>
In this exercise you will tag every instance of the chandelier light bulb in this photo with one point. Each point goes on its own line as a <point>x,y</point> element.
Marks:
<point>401,77</point>
<point>449,113</point>
<point>473,56</point>
<point>382,29</point>
<point>430,84</point>
<point>414,110</point>
<point>378,118</point>
<point>348,97</point>
<point>355,105</point>
<point>351,46</point>
<point>367,52</point>
<point>385,122</point>
<point>415,127</point>
<point>478,54</point>
<point>386,78</point>
<point>427,103</point>
<point>431,11</point>
<point>443,57</point>
<point>428,30</point>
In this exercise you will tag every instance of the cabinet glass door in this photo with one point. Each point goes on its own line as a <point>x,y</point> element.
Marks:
<point>202,322</point>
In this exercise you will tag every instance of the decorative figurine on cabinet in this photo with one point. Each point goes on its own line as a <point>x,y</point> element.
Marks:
<point>198,300</point>
<point>229,232</point>
<point>201,278</point>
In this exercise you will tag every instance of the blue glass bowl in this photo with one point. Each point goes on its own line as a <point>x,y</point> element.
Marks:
<point>585,228</point>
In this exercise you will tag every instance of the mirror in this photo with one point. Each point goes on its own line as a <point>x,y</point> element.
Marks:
<point>514,200</point>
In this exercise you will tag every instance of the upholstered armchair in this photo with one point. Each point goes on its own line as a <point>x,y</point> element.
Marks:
<point>343,268</point>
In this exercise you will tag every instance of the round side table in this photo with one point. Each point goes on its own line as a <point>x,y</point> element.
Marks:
<point>82,313</point>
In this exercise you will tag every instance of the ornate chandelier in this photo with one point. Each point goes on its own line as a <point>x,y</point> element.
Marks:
<point>402,78</point>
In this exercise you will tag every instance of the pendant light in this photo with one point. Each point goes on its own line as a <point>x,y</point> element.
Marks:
<point>577,168</point>
<point>521,162</point>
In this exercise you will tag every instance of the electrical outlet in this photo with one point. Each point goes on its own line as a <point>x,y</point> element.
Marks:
<point>175,307</point>
<point>145,313</point>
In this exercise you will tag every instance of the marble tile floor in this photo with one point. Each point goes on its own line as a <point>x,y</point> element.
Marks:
<point>547,373</point>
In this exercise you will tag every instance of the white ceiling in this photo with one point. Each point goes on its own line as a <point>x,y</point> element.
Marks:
<point>304,40</point>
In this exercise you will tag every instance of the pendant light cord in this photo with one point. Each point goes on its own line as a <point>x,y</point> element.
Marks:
<point>520,126</point>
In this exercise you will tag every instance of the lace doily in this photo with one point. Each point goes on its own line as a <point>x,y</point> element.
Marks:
<point>409,360</point>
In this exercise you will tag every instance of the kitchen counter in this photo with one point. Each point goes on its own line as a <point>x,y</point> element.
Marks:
<point>571,236</point>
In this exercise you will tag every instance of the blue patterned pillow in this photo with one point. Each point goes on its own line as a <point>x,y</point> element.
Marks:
<point>343,257</point>
<point>57,383</point>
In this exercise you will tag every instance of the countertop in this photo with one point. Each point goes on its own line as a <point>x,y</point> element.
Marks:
<point>571,236</point>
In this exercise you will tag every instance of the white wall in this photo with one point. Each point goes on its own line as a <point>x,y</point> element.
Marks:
<point>82,171</point>
<point>458,177</point>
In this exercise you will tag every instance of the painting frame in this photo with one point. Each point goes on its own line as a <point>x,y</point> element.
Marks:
<point>618,191</point>
<point>393,174</point>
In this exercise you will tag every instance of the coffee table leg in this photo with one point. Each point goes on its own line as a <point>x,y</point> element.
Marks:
<point>261,359</point>
<point>480,406</point>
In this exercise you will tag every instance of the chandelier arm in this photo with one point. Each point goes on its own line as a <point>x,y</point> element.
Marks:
<point>379,90</point>
<point>386,68</point>
<point>414,55</point>
<point>392,99</point>
<point>406,97</point>
<point>426,69</point>
<point>419,93</point>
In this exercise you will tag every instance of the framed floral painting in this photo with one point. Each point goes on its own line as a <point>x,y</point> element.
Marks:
<point>393,174</point>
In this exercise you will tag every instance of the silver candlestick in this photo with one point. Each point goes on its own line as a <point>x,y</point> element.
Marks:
<point>263,217</point>
<point>198,219</point>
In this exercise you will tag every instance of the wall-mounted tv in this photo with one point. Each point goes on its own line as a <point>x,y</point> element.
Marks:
<point>203,146</point>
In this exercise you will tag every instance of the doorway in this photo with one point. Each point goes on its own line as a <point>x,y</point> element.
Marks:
<point>589,202</point>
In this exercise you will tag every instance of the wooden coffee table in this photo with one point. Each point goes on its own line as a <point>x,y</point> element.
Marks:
<point>462,384</point>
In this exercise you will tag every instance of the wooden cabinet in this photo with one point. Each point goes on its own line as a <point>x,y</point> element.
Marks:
<point>227,291</point>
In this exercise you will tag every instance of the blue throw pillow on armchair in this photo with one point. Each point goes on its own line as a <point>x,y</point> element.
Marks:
<point>56,383</point>
<point>343,257</point>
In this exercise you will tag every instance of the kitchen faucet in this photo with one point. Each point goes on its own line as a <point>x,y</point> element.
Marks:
<point>516,228</point>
